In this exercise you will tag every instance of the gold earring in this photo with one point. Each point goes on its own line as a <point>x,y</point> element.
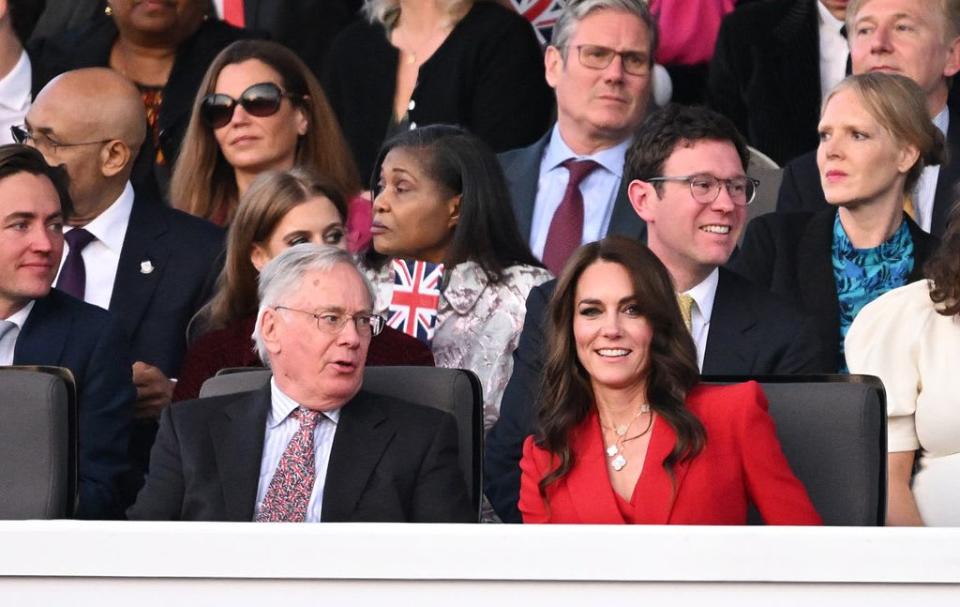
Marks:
<point>108,11</point>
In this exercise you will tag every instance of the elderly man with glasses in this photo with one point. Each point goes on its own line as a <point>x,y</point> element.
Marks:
<point>311,445</point>
<point>686,175</point>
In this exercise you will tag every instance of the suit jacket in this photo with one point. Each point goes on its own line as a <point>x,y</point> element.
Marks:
<point>751,333</point>
<point>521,167</point>
<point>66,332</point>
<point>766,66</point>
<point>741,462</point>
<point>90,45</point>
<point>154,307</point>
<point>791,254</point>
<point>800,189</point>
<point>391,461</point>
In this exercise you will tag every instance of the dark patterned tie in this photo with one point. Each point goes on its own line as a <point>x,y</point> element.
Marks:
<point>566,227</point>
<point>73,274</point>
<point>289,492</point>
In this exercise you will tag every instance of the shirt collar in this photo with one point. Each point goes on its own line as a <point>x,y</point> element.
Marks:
<point>610,159</point>
<point>19,317</point>
<point>281,406</point>
<point>15,86</point>
<point>826,19</point>
<point>942,120</point>
<point>704,293</point>
<point>109,227</point>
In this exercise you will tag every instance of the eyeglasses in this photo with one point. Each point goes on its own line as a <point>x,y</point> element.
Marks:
<point>706,188</point>
<point>260,100</point>
<point>42,141</point>
<point>635,63</point>
<point>332,323</point>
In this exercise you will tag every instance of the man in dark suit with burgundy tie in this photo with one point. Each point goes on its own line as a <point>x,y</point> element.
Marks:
<point>312,445</point>
<point>687,179</point>
<point>568,187</point>
<point>148,264</point>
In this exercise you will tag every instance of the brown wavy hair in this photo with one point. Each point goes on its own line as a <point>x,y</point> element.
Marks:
<point>567,396</point>
<point>203,182</point>
<point>943,269</point>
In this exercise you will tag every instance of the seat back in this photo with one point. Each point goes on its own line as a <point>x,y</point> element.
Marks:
<point>456,391</point>
<point>38,443</point>
<point>833,430</point>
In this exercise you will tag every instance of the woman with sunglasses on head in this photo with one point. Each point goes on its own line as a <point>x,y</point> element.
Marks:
<point>875,139</point>
<point>417,62</point>
<point>259,108</point>
<point>280,209</point>
<point>164,48</point>
<point>626,434</point>
<point>441,200</point>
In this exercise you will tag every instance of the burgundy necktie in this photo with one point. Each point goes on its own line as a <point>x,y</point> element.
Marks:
<point>289,492</point>
<point>73,274</point>
<point>566,227</point>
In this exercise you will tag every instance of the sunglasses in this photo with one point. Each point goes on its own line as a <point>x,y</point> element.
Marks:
<point>260,100</point>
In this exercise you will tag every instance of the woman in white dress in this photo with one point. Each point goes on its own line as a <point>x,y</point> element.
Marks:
<point>910,338</point>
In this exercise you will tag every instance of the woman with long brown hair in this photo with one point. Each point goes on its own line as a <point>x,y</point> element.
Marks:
<point>259,108</point>
<point>620,387</point>
<point>910,338</point>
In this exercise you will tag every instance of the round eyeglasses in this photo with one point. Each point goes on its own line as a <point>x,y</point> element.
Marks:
<point>332,322</point>
<point>261,100</point>
<point>706,188</point>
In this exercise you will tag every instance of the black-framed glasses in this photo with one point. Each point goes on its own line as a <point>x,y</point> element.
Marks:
<point>261,100</point>
<point>332,321</point>
<point>22,135</point>
<point>596,57</point>
<point>706,188</point>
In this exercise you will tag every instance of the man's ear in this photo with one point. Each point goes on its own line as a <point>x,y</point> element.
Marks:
<point>553,65</point>
<point>269,331</point>
<point>952,65</point>
<point>643,198</point>
<point>114,156</point>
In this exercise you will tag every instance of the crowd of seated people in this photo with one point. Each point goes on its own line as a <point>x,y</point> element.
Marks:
<point>182,195</point>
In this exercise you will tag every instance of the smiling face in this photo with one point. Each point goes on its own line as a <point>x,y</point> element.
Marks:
<point>691,238</point>
<point>413,215</point>
<point>859,160</point>
<point>611,337</point>
<point>319,370</point>
<point>598,108</point>
<point>315,220</point>
<point>907,37</point>
<point>31,239</point>
<point>253,144</point>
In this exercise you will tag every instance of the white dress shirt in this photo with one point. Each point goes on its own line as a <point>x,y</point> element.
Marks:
<point>703,295</point>
<point>9,343</point>
<point>834,51</point>
<point>599,190</point>
<point>15,96</point>
<point>926,189</point>
<point>102,256</point>
<point>280,429</point>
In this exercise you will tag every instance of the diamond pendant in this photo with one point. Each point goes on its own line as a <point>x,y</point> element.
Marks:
<point>618,462</point>
<point>612,450</point>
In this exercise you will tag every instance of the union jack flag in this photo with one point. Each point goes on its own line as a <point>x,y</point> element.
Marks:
<point>416,295</point>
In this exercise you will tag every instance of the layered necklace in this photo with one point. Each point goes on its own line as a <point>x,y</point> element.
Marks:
<point>620,431</point>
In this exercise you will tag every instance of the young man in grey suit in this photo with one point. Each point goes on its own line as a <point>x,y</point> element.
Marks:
<point>312,445</point>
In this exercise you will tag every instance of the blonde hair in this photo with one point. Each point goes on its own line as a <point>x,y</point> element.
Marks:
<point>387,12</point>
<point>898,104</point>
<point>203,182</point>
<point>949,15</point>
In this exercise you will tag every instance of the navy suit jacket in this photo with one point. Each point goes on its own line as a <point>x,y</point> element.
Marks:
<point>800,189</point>
<point>751,333</point>
<point>391,461</point>
<point>163,279</point>
<point>521,167</point>
<point>66,332</point>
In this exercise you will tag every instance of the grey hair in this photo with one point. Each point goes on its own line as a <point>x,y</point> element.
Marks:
<point>387,12</point>
<point>949,16</point>
<point>576,11</point>
<point>284,274</point>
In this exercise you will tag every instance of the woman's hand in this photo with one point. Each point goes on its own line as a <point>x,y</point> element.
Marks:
<point>901,507</point>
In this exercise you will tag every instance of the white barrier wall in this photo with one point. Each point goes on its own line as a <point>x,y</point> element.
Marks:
<point>139,564</point>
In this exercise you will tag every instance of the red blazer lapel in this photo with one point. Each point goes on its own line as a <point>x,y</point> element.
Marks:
<point>587,484</point>
<point>655,492</point>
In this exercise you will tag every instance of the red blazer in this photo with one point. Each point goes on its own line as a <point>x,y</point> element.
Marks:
<point>741,462</point>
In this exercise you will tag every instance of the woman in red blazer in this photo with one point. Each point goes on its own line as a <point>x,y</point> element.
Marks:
<point>627,435</point>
